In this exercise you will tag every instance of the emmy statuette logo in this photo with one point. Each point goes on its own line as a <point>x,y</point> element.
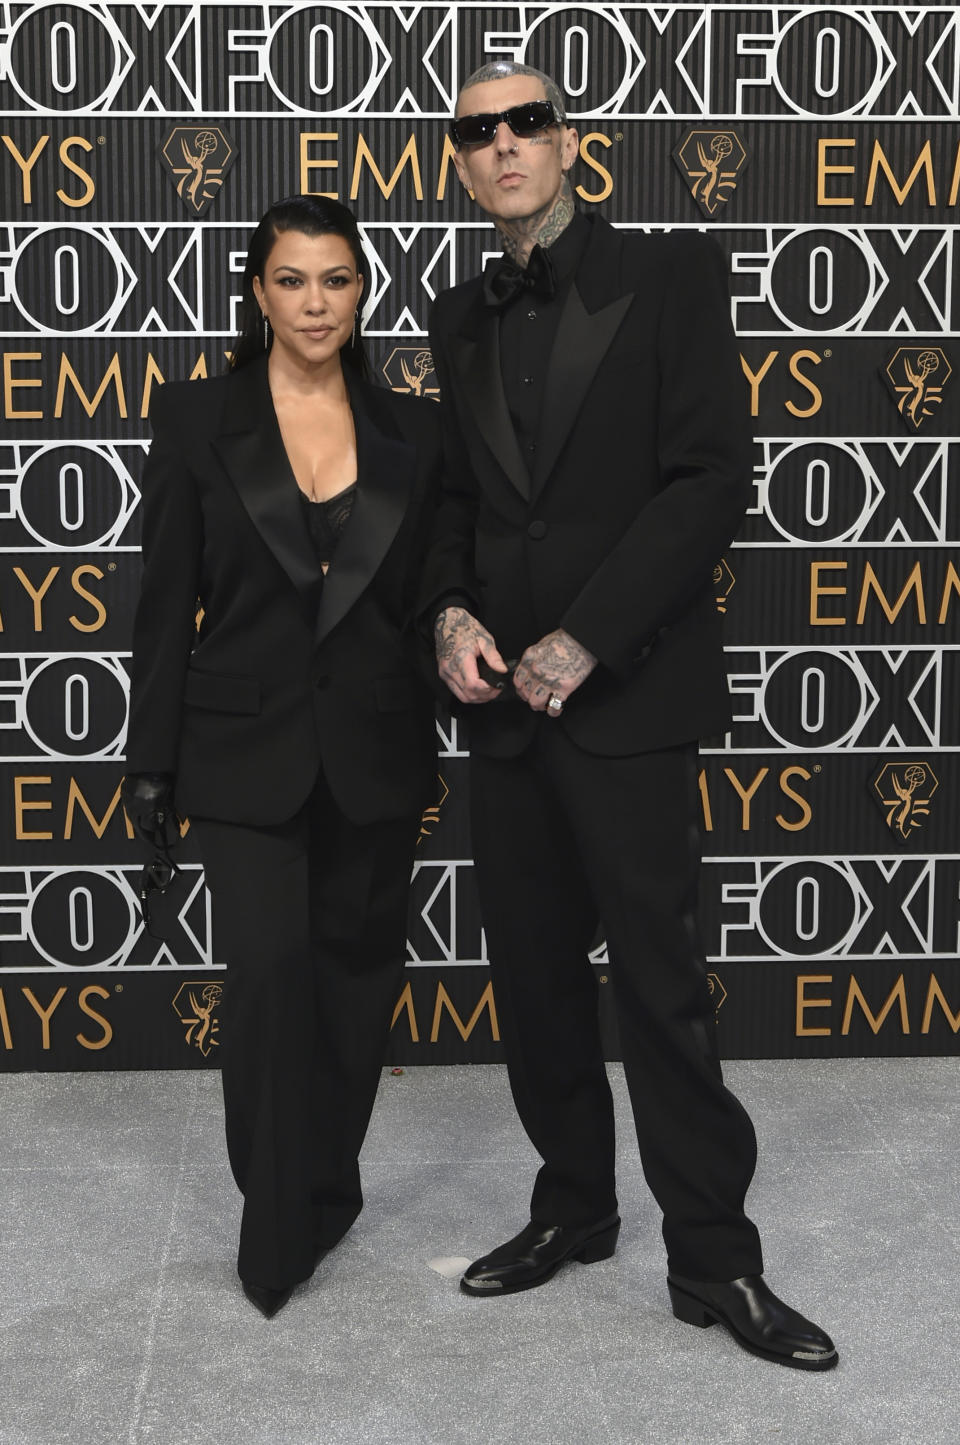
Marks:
<point>723,583</point>
<point>195,1005</point>
<point>904,791</point>
<point>409,368</point>
<point>917,376</point>
<point>717,991</point>
<point>711,160</point>
<point>197,159</point>
<point>431,815</point>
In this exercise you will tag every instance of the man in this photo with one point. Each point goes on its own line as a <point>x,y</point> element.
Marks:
<point>597,464</point>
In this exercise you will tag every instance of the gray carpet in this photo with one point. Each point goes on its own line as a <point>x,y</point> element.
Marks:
<point>122,1320</point>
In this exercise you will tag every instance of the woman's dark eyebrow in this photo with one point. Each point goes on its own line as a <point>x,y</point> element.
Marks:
<point>295,270</point>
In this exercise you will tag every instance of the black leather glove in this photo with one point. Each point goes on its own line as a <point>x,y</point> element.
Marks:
<point>148,800</point>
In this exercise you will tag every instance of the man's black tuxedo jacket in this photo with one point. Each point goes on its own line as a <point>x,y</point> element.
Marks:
<point>288,672</point>
<point>641,475</point>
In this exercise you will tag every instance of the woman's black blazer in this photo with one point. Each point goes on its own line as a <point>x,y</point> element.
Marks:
<point>250,671</point>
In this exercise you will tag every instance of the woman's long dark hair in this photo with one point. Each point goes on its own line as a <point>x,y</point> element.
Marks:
<point>312,216</point>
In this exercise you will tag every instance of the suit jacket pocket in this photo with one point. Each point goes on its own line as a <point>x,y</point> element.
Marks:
<point>221,692</point>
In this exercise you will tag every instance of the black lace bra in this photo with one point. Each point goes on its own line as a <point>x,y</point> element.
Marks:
<point>326,520</point>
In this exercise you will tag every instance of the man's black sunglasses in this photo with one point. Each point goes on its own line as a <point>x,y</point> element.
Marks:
<point>524,120</point>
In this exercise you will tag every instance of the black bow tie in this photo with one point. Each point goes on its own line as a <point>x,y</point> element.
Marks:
<point>504,279</point>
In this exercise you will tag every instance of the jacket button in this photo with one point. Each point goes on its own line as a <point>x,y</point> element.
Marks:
<point>537,530</point>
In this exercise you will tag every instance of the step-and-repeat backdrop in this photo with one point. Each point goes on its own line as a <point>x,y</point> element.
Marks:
<point>820,146</point>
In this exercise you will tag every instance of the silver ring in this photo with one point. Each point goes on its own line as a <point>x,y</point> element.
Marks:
<point>555,704</point>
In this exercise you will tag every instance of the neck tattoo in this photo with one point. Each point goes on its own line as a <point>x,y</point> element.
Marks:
<point>541,229</point>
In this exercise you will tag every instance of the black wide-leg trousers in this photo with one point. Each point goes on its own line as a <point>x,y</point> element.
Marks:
<point>564,840</point>
<point>310,918</point>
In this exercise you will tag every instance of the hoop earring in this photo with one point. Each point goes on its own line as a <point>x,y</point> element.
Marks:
<point>266,332</point>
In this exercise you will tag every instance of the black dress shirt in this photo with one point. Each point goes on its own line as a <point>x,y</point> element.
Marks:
<point>528,329</point>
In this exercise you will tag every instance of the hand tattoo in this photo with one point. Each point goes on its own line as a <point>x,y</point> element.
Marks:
<point>554,666</point>
<point>459,637</point>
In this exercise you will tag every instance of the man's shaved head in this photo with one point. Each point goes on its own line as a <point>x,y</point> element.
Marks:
<point>502,70</point>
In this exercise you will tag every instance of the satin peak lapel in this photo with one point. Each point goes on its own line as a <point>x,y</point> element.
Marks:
<point>385,473</point>
<point>477,364</point>
<point>583,339</point>
<point>251,448</point>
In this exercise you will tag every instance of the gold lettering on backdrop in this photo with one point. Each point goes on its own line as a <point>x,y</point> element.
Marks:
<point>705,800</point>
<point>818,590</point>
<point>806,383</point>
<point>26,164</point>
<point>22,805</point>
<point>44,1014</point>
<point>871,588</point>
<point>89,189</point>
<point>11,383</point>
<point>94,989</point>
<point>951,585</point>
<point>798,374</point>
<point>152,373</point>
<point>112,374</point>
<point>913,584</point>
<point>405,1002</point>
<point>36,593</point>
<point>880,166</point>
<point>935,994</point>
<point>595,137</point>
<point>363,156</point>
<point>5,1023</point>
<point>898,995</point>
<point>878,162</point>
<point>112,383</point>
<point>824,170</point>
<point>309,163</point>
<point>803,1029</point>
<point>75,797</point>
<point>446,161</point>
<point>745,794</point>
<point>409,156</point>
<point>755,378</point>
<point>806,812</point>
<point>100,612</point>
<point>465,1030</point>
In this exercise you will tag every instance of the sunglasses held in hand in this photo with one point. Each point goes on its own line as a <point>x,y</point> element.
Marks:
<point>524,120</point>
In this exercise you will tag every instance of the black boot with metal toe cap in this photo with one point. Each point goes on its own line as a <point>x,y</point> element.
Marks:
<point>537,1252</point>
<point>756,1318</point>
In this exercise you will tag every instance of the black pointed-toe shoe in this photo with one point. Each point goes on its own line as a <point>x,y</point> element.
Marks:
<point>268,1301</point>
<point>756,1318</point>
<point>536,1254</point>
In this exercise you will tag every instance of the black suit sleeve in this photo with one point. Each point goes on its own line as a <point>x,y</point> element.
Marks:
<point>448,575</point>
<point>165,621</point>
<point>664,560</point>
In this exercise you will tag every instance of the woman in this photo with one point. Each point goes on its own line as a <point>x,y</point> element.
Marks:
<point>285,506</point>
